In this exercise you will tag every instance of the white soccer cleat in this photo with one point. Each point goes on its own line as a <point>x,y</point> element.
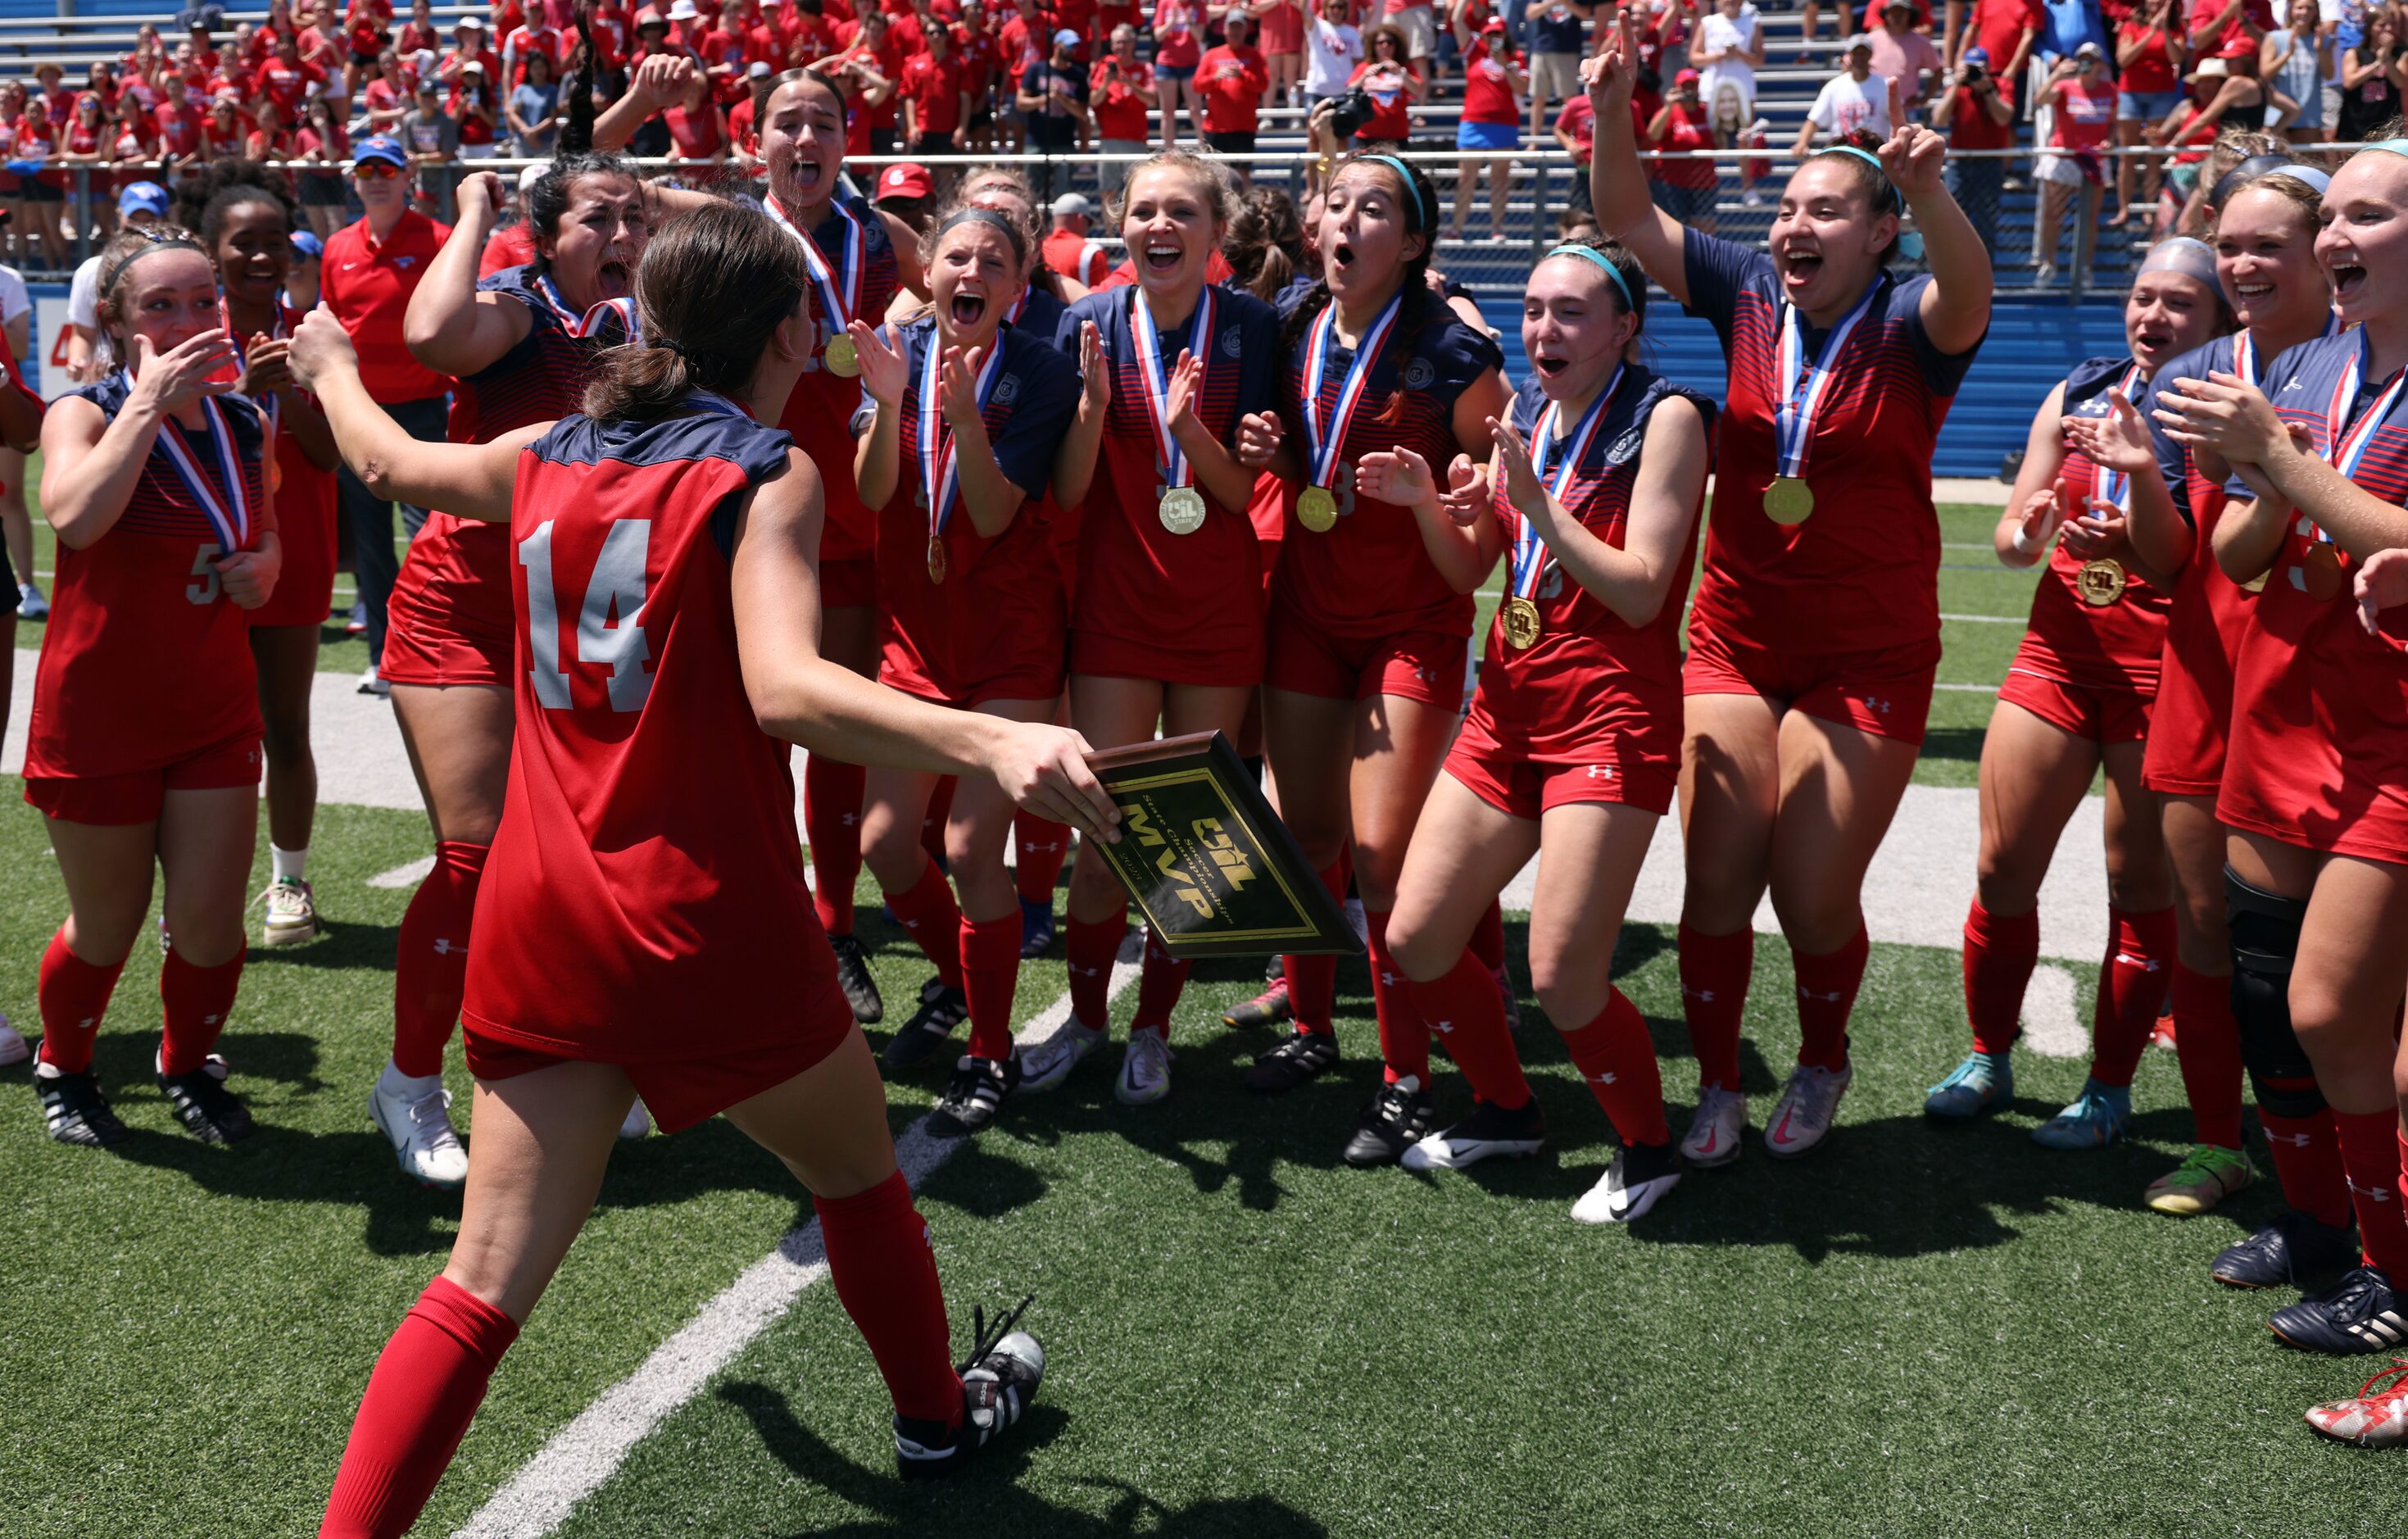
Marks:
<point>292,913</point>
<point>1145,1068</point>
<point>1808,1105</point>
<point>1714,1132</point>
<point>1634,1183</point>
<point>637,1123</point>
<point>1045,1067</point>
<point>416,1115</point>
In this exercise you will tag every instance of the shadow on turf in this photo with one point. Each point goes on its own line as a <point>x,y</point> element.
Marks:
<point>989,1493</point>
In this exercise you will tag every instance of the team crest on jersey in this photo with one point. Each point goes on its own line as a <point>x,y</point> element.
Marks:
<point>1232,342</point>
<point>1419,374</point>
<point>1624,448</point>
<point>1007,390</point>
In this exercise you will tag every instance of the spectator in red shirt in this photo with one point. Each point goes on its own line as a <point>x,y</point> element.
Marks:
<point>1575,130</point>
<point>419,33</point>
<point>936,106</point>
<point>1392,81</point>
<point>476,105</point>
<point>2229,29</point>
<point>743,117</point>
<point>177,124</point>
<point>467,47</point>
<point>1067,250</point>
<point>1977,112</point>
<point>1027,37</point>
<point>532,38</point>
<point>2149,56</point>
<point>2004,30</point>
<point>1685,188</point>
<point>975,46</point>
<point>1231,78</point>
<point>371,268</point>
<point>1122,95</point>
<point>1178,45</point>
<point>1494,89</point>
<point>285,82</point>
<point>2084,117</point>
<point>696,132</point>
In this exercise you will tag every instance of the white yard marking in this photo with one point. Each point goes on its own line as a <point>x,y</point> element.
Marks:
<point>409,873</point>
<point>2052,1027</point>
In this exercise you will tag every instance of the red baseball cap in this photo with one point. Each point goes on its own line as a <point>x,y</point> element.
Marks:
<point>1686,76</point>
<point>907,179</point>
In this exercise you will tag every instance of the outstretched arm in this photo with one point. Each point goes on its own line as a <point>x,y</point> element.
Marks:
<point>1617,183</point>
<point>469,479</point>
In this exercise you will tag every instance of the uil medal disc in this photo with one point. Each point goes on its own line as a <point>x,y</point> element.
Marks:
<point>1521,624</point>
<point>936,558</point>
<point>842,358</point>
<point>1788,500</point>
<point>1182,509</point>
<point>2101,583</point>
<point>2321,572</point>
<point>1316,510</point>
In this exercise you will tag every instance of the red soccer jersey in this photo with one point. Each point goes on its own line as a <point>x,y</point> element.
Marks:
<point>2104,646</point>
<point>367,284</point>
<point>145,661</point>
<point>1594,688</point>
<point>1862,572</point>
<point>1371,576</point>
<point>1190,605</point>
<point>625,858</point>
<point>1232,81</point>
<point>819,411</point>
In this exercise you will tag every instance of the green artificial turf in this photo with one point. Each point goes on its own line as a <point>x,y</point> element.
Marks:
<point>1917,1330</point>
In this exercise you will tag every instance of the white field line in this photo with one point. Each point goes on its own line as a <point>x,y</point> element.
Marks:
<point>2052,1027</point>
<point>409,873</point>
<point>579,1458</point>
<point>1987,619</point>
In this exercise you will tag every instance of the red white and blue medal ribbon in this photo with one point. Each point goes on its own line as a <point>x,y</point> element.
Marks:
<point>1800,386</point>
<point>2115,485</point>
<point>1529,551</point>
<point>2346,438</point>
<point>1152,368</point>
<point>592,321</point>
<point>837,298</point>
<point>1325,443</point>
<point>229,515</point>
<point>938,470</point>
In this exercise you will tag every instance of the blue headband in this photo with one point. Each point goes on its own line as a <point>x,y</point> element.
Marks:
<point>1605,265</point>
<point>2398,147</point>
<point>1868,157</point>
<point>2182,254</point>
<point>1429,214</point>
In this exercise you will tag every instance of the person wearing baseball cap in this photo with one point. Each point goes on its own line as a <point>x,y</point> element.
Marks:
<point>907,191</point>
<point>1231,81</point>
<point>1978,111</point>
<point>935,93</point>
<point>1067,248</point>
<point>1685,188</point>
<point>142,203</point>
<point>1052,96</point>
<point>1902,54</point>
<point>1854,99</point>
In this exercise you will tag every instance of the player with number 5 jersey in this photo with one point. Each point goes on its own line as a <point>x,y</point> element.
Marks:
<point>665,544</point>
<point>1815,634</point>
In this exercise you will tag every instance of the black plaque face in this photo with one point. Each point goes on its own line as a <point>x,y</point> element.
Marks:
<point>1210,866</point>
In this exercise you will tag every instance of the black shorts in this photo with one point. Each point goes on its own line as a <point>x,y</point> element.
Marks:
<point>361,61</point>
<point>882,140</point>
<point>35,190</point>
<point>981,117</point>
<point>935,144</point>
<point>1231,143</point>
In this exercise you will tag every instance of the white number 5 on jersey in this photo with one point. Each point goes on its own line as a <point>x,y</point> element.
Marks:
<point>615,593</point>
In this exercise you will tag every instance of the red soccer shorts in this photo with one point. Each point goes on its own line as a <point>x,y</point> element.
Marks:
<point>1523,788</point>
<point>2104,716</point>
<point>138,796</point>
<point>2187,735</point>
<point>448,622</point>
<point>849,584</point>
<point>680,1092</point>
<point>1417,665</point>
<point>1885,692</point>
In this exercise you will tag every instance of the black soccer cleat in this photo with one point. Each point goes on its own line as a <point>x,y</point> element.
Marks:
<point>1391,1122</point>
<point>974,1096</point>
<point>999,1382</point>
<point>1490,1130</point>
<point>852,976</point>
<point>2290,1252</point>
<point>74,1108</point>
<point>2362,1313</point>
<point>942,1009</point>
<point>1269,1008</point>
<point>207,1108</point>
<point>1299,1056</point>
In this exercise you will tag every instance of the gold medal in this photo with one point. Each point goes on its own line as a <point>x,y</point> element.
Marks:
<point>841,358</point>
<point>1316,510</point>
<point>1788,500</point>
<point>1521,624</point>
<point>2101,583</point>
<point>1182,509</point>
<point>936,558</point>
<point>2321,569</point>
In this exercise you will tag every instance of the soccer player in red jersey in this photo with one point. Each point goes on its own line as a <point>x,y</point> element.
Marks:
<point>523,346</point>
<point>2317,862</point>
<point>961,417</point>
<point>144,746</point>
<point>1572,747</point>
<point>860,259</point>
<point>2264,242</point>
<point>1370,608</point>
<point>1175,417</point>
<point>1816,628</point>
<point>248,233</point>
<point>2076,700</point>
<point>635,880</point>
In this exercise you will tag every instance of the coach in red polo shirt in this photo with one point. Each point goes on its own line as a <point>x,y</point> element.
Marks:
<point>1232,78</point>
<point>370,271</point>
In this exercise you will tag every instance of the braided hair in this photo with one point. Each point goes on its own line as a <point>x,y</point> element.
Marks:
<point>1417,200</point>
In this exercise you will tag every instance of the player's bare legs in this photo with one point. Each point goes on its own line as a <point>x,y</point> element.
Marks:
<point>286,659</point>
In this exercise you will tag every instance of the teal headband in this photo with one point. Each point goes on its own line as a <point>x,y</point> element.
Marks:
<point>1605,265</point>
<point>1874,161</point>
<point>1429,214</point>
<point>2398,147</point>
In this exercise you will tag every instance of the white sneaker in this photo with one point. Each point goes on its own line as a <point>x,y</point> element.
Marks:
<point>1630,1187</point>
<point>371,684</point>
<point>1714,1132</point>
<point>416,1115</point>
<point>31,605</point>
<point>12,1046</point>
<point>1808,1105</point>
<point>1145,1068</point>
<point>1049,1065</point>
<point>2044,277</point>
<point>292,913</point>
<point>637,1123</point>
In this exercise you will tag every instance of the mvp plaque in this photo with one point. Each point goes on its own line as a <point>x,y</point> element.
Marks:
<point>1212,866</point>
